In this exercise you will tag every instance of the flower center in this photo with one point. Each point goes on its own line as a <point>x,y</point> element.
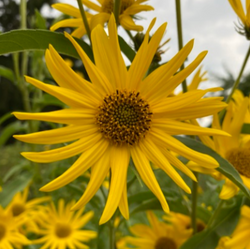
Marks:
<point>63,230</point>
<point>124,117</point>
<point>240,159</point>
<point>165,243</point>
<point>2,231</point>
<point>108,5</point>
<point>17,209</point>
<point>199,225</point>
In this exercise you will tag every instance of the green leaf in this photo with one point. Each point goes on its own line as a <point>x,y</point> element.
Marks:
<point>245,129</point>
<point>11,188</point>
<point>224,225</point>
<point>7,73</point>
<point>126,49</point>
<point>203,240</point>
<point>225,167</point>
<point>10,129</point>
<point>29,40</point>
<point>40,21</point>
<point>5,117</point>
<point>146,200</point>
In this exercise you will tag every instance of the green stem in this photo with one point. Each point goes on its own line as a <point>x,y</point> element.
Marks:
<point>180,40</point>
<point>194,204</point>
<point>130,35</point>
<point>111,234</point>
<point>84,18</point>
<point>215,214</point>
<point>117,9</point>
<point>236,83</point>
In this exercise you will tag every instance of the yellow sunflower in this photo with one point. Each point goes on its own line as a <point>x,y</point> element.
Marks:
<point>182,222</point>
<point>158,235</point>
<point>128,9</point>
<point>61,228</point>
<point>20,206</point>
<point>10,237</point>
<point>244,16</point>
<point>120,114</point>
<point>240,237</point>
<point>236,149</point>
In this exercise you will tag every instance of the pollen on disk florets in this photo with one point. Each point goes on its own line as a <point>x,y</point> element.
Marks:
<point>124,117</point>
<point>165,243</point>
<point>108,5</point>
<point>240,159</point>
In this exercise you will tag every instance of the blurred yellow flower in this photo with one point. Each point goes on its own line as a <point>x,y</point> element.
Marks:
<point>244,16</point>
<point>182,223</point>
<point>236,149</point>
<point>121,114</point>
<point>128,10</point>
<point>240,237</point>
<point>158,235</point>
<point>10,237</point>
<point>21,206</point>
<point>61,228</point>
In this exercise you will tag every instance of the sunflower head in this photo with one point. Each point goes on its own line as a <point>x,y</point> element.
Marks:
<point>120,114</point>
<point>165,243</point>
<point>124,117</point>
<point>243,27</point>
<point>108,5</point>
<point>10,234</point>
<point>138,40</point>
<point>60,226</point>
<point>240,159</point>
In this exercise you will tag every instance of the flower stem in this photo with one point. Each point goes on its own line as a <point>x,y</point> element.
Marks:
<point>84,18</point>
<point>111,234</point>
<point>194,203</point>
<point>215,214</point>
<point>117,8</point>
<point>236,83</point>
<point>180,40</point>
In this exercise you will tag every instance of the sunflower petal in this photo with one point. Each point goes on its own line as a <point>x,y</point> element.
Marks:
<point>155,156</point>
<point>59,135</point>
<point>64,152</point>
<point>83,163</point>
<point>119,160</point>
<point>144,169</point>
<point>98,173</point>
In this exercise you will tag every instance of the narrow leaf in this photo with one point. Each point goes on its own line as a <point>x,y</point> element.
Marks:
<point>10,129</point>
<point>126,49</point>
<point>7,73</point>
<point>11,188</point>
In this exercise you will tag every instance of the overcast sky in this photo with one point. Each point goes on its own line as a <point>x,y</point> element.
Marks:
<point>210,23</point>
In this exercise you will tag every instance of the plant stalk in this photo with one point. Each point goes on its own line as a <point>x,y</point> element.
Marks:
<point>111,234</point>
<point>84,19</point>
<point>194,204</point>
<point>117,9</point>
<point>236,83</point>
<point>180,39</point>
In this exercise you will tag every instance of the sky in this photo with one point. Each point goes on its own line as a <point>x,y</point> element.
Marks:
<point>211,23</point>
